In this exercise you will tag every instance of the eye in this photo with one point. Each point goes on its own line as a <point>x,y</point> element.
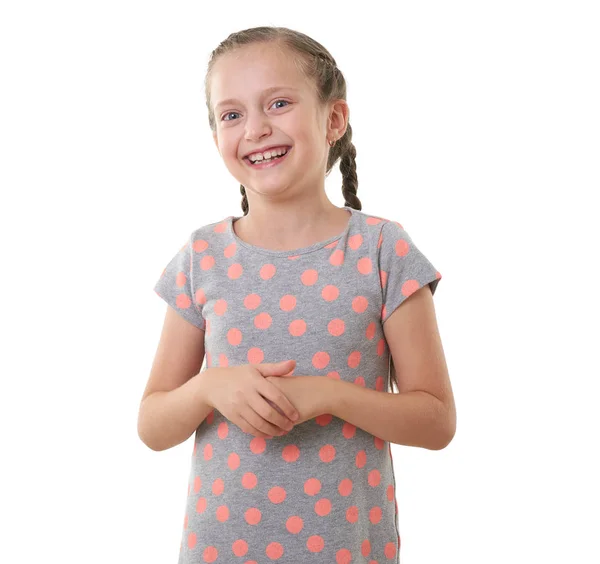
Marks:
<point>229,113</point>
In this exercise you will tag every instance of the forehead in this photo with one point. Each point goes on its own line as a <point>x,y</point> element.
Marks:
<point>248,72</point>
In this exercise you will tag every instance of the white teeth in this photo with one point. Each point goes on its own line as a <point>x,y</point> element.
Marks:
<point>267,155</point>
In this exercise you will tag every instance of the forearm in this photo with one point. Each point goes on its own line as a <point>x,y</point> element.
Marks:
<point>411,419</point>
<point>167,419</point>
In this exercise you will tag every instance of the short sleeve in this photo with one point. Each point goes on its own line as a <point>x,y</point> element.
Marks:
<point>403,268</point>
<point>175,286</point>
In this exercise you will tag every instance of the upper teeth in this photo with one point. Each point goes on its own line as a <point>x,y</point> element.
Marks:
<point>267,154</point>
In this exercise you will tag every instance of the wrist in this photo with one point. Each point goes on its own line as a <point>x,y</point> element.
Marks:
<point>204,386</point>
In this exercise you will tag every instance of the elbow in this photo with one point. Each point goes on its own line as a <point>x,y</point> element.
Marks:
<point>447,430</point>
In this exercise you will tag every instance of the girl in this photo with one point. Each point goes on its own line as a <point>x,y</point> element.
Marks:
<point>293,468</point>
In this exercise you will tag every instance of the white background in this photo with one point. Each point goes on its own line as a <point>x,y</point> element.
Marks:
<point>476,126</point>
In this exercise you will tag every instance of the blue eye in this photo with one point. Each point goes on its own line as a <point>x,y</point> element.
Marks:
<point>229,113</point>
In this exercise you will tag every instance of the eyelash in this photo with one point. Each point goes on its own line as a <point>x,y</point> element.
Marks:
<point>224,115</point>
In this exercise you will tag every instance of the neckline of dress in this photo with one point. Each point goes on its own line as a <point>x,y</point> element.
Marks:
<point>291,252</point>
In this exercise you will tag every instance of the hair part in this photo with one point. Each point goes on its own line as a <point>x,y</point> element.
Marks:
<point>320,69</point>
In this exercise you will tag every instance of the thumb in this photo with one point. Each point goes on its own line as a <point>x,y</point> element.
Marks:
<point>282,368</point>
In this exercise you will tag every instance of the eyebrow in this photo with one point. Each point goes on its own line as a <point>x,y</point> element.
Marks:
<point>265,92</point>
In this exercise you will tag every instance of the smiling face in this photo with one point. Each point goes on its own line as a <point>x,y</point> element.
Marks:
<point>258,116</point>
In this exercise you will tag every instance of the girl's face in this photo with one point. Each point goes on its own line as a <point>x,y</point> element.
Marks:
<point>259,116</point>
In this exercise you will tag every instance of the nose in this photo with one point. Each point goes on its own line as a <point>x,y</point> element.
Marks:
<point>257,126</point>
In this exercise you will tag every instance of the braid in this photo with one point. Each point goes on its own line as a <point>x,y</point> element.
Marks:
<point>346,152</point>
<point>244,199</point>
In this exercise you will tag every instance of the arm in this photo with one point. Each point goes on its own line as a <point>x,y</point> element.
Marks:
<point>167,419</point>
<point>412,418</point>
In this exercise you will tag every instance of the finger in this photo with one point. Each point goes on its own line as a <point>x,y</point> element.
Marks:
<point>262,416</point>
<point>276,368</point>
<point>270,391</point>
<point>247,427</point>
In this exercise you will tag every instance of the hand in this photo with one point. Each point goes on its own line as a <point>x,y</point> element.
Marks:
<point>304,392</point>
<point>245,397</point>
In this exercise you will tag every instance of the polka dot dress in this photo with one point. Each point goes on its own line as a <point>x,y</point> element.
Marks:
<point>325,492</point>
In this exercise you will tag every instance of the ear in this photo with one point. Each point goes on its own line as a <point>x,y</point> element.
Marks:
<point>337,122</point>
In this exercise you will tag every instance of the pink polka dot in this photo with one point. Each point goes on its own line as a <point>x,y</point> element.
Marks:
<point>409,287</point>
<point>401,247</point>
<point>312,486</point>
<point>208,451</point>
<point>309,277</point>
<point>223,360</point>
<point>323,419</point>
<point>234,336</point>
<point>235,271</point>
<point>297,327</point>
<point>375,515</point>
<point>327,453</point>
<point>290,453</point>
<point>277,495</point>
<point>373,220</point>
<point>222,513</point>
<point>379,383</point>
<point>364,265</point>
<point>200,245</point>
<point>354,359</point>
<point>355,241</point>
<point>201,505</point>
<point>359,304</point>
<point>337,258</point>
<point>200,297</point>
<point>230,250</point>
<point>240,547</point>
<point>381,346</point>
<point>361,459</point>
<point>390,492</point>
<point>390,550</point>
<point>294,524</point>
<point>233,461</point>
<point>274,551</point>
<point>371,328</point>
<point>183,301</point>
<point>360,381</point>
<point>336,327</point>
<point>207,262</point>
<point>378,443</point>
<point>287,302</point>
<point>220,307</point>
<point>365,548</point>
<point>218,486</point>
<point>315,543</point>
<point>380,240</point>
<point>345,487</point>
<point>249,480</point>
<point>258,445</point>
<point>255,355</point>
<point>197,484</point>
<point>323,507</point>
<point>210,554</point>
<point>334,375</point>
<point>263,321</point>
<point>330,293</point>
<point>267,271</point>
<point>384,278</point>
<point>220,227</point>
<point>223,430</point>
<point>352,514</point>
<point>374,477</point>
<point>252,301</point>
<point>320,360</point>
<point>253,516</point>
<point>343,556</point>
<point>348,430</point>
